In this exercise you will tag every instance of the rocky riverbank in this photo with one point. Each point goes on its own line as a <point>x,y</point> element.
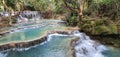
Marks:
<point>72,50</point>
<point>22,44</point>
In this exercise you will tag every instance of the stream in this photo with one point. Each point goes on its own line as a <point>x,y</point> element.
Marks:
<point>56,45</point>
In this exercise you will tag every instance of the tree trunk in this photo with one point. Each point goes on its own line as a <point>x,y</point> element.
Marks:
<point>5,6</point>
<point>80,14</point>
<point>10,19</point>
<point>79,19</point>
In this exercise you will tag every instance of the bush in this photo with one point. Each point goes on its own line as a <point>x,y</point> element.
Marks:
<point>99,26</point>
<point>59,10</point>
<point>72,20</point>
<point>101,30</point>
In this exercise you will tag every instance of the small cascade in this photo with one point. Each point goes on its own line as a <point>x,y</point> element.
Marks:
<point>85,47</point>
<point>26,16</point>
<point>21,19</point>
<point>56,34</point>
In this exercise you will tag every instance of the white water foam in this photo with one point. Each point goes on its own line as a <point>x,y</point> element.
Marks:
<point>55,34</point>
<point>86,47</point>
<point>3,55</point>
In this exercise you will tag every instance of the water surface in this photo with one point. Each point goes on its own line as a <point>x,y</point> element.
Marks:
<point>112,52</point>
<point>57,47</point>
<point>32,33</point>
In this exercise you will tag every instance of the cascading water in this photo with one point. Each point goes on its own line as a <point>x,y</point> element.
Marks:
<point>25,15</point>
<point>85,47</point>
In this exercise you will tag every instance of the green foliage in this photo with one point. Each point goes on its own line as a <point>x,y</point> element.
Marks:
<point>104,8</point>
<point>73,3</point>
<point>1,9</point>
<point>59,10</point>
<point>99,26</point>
<point>40,4</point>
<point>72,20</point>
<point>101,30</point>
<point>10,3</point>
<point>113,28</point>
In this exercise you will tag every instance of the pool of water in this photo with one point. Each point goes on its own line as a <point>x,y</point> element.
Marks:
<point>31,33</point>
<point>57,47</point>
<point>112,52</point>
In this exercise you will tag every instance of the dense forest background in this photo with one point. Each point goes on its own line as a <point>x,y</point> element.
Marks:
<point>91,16</point>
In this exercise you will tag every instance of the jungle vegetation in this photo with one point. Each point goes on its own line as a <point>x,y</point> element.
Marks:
<point>92,16</point>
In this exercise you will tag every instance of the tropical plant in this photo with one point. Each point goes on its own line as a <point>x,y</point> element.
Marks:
<point>76,6</point>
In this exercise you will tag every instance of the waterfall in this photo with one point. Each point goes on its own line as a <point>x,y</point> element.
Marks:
<point>85,47</point>
<point>25,16</point>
